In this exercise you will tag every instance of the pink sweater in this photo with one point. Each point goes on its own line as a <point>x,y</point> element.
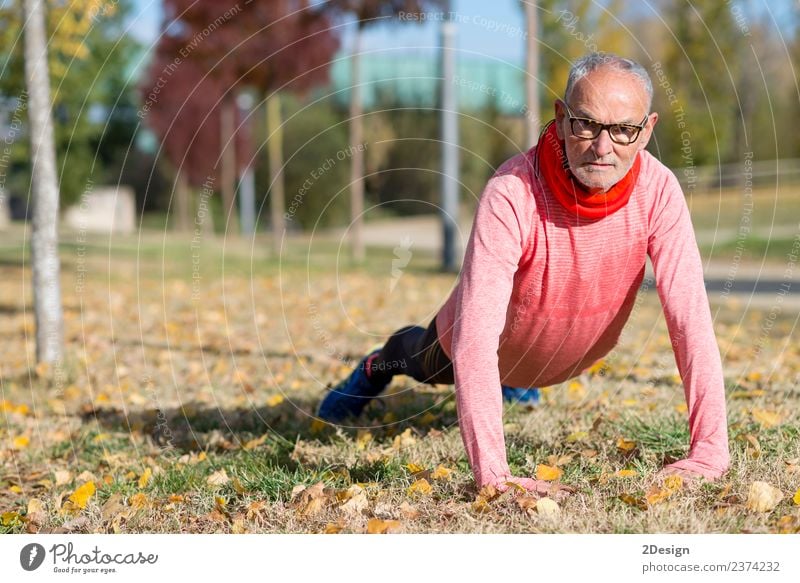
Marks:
<point>542,295</point>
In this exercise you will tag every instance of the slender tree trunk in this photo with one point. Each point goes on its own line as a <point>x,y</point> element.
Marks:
<point>275,149</point>
<point>44,238</point>
<point>207,226</point>
<point>228,186</point>
<point>183,219</point>
<point>357,159</point>
<point>532,74</point>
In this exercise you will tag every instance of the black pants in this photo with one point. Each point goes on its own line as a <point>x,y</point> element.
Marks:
<point>414,351</point>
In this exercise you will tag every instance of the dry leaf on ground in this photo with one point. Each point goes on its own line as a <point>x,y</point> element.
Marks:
<point>378,526</point>
<point>763,497</point>
<point>548,473</point>
<point>218,478</point>
<point>548,507</point>
<point>420,488</point>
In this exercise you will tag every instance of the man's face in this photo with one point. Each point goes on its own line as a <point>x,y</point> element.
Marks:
<point>608,96</point>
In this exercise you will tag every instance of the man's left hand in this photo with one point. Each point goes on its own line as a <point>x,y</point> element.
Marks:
<point>687,475</point>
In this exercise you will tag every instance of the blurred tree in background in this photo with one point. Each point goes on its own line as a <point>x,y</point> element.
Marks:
<point>90,59</point>
<point>726,73</point>
<point>210,51</point>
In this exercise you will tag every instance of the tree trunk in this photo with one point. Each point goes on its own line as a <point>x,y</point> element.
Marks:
<point>276,188</point>
<point>532,75</point>
<point>357,159</point>
<point>183,219</point>
<point>228,186</point>
<point>44,237</point>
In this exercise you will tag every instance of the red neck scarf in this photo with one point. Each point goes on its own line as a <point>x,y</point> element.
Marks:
<point>573,196</point>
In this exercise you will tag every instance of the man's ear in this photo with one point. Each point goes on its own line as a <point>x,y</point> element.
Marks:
<point>647,132</point>
<point>561,113</point>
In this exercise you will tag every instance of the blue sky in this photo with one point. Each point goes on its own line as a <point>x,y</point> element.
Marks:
<point>485,27</point>
<point>488,28</point>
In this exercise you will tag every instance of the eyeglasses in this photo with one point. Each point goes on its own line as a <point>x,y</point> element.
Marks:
<point>585,128</point>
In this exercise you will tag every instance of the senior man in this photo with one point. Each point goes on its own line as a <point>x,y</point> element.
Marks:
<point>550,275</point>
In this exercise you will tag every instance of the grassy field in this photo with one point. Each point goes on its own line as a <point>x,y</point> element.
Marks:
<point>185,404</point>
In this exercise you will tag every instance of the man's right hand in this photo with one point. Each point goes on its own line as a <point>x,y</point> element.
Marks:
<point>539,487</point>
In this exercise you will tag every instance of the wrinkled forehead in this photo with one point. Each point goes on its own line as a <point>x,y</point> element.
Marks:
<point>609,92</point>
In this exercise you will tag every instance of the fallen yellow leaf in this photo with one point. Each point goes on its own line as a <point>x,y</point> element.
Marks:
<point>763,497</point>
<point>139,500</point>
<point>600,367</point>
<point>378,526</point>
<point>441,473</point>
<point>36,513</point>
<point>405,439</point>
<point>145,477</point>
<point>657,495</point>
<point>218,478</point>
<point>796,498</point>
<point>673,483</point>
<point>577,436</point>
<point>421,487</point>
<point>334,528</point>
<point>363,438</point>
<point>626,444</point>
<point>314,506</point>
<point>256,442</point>
<point>275,400</point>
<point>21,442</point>
<point>9,518</point>
<point>767,418</point>
<point>62,477</point>
<point>356,500</point>
<point>627,473</point>
<point>414,468</point>
<point>788,525</point>
<point>576,391</point>
<point>81,495</point>
<point>632,500</point>
<point>548,473</point>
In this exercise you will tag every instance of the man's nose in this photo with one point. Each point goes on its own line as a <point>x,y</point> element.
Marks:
<point>602,144</point>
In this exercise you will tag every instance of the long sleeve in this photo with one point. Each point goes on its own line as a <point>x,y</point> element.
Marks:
<point>487,278</point>
<point>679,280</point>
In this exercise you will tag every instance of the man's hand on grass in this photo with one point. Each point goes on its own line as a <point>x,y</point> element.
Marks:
<point>539,487</point>
<point>687,475</point>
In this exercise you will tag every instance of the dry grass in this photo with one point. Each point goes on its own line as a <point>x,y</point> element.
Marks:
<point>154,380</point>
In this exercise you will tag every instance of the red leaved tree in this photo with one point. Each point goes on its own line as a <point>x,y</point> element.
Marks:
<point>209,52</point>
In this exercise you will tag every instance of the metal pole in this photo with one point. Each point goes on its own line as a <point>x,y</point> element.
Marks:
<point>247,183</point>
<point>450,175</point>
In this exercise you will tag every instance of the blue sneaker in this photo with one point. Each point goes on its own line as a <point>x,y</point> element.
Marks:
<point>349,397</point>
<point>529,397</point>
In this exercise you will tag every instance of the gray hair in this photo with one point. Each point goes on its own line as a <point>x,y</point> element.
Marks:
<point>594,61</point>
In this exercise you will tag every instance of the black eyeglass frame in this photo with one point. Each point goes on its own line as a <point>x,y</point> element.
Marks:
<point>605,126</point>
